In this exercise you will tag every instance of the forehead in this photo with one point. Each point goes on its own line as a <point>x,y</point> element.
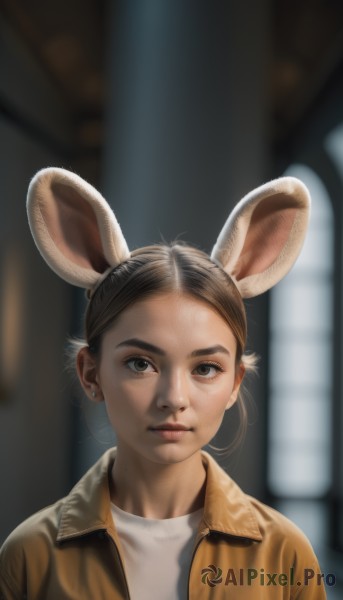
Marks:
<point>175,317</point>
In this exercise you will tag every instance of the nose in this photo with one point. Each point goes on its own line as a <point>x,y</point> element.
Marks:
<point>172,392</point>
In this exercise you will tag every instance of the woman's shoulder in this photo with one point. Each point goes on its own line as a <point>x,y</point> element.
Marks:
<point>49,524</point>
<point>30,542</point>
<point>34,541</point>
<point>44,526</point>
<point>272,522</point>
<point>282,533</point>
<point>41,525</point>
<point>245,515</point>
<point>245,511</point>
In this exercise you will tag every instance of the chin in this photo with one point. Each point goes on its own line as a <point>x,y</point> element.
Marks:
<point>171,454</point>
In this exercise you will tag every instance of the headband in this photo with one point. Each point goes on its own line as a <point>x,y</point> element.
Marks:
<point>80,238</point>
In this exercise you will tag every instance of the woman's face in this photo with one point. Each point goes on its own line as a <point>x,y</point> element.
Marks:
<point>167,374</point>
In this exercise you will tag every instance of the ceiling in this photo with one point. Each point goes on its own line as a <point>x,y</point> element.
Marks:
<point>307,52</point>
<point>307,48</point>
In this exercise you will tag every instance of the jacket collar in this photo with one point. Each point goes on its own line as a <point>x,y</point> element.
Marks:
<point>227,509</point>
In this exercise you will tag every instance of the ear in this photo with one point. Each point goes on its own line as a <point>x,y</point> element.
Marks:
<point>73,227</point>
<point>263,236</point>
<point>88,374</point>
<point>240,372</point>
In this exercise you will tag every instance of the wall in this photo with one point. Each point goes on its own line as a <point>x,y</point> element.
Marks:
<point>34,408</point>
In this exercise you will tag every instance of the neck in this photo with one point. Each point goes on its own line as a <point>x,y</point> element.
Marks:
<point>157,491</point>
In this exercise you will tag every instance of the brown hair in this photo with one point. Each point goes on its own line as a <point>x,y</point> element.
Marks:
<point>165,268</point>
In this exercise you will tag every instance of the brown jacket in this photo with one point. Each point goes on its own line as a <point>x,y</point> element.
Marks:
<point>243,550</point>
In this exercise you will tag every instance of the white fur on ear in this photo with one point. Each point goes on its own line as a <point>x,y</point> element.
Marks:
<point>263,235</point>
<point>74,228</point>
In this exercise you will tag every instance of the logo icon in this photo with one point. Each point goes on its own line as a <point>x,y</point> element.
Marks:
<point>212,575</point>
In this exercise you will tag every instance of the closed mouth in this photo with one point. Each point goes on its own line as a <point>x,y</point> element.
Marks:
<point>170,427</point>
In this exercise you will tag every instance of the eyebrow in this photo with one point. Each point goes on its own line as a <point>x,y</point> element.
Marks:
<point>137,343</point>
<point>143,345</point>
<point>210,350</point>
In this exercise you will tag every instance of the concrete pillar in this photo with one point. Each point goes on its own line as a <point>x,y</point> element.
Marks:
<point>186,135</point>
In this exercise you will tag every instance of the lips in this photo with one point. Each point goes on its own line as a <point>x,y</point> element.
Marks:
<point>170,433</point>
<point>171,427</point>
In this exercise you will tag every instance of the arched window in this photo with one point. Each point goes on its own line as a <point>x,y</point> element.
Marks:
<point>301,323</point>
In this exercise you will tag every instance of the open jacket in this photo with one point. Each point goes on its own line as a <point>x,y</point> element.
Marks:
<point>243,549</point>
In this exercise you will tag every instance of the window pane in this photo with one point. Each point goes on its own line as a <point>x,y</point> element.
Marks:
<point>334,146</point>
<point>300,468</point>
<point>301,359</point>
<point>300,302</point>
<point>312,517</point>
<point>316,253</point>
<point>300,420</point>
<point>300,362</point>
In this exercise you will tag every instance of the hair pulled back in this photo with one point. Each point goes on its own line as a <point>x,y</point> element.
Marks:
<point>161,269</point>
<point>164,268</point>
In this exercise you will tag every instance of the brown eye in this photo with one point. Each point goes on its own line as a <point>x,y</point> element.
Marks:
<point>204,369</point>
<point>208,370</point>
<point>139,365</point>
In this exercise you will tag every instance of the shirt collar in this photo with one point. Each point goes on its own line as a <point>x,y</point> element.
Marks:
<point>227,508</point>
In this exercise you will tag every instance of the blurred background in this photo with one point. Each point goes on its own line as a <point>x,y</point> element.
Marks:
<point>175,110</point>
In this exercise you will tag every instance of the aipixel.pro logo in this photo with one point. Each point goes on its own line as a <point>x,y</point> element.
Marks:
<point>212,575</point>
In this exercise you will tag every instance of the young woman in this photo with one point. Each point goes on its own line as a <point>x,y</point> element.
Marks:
<point>165,333</point>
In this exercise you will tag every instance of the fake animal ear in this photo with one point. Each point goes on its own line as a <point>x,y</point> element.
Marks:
<point>264,234</point>
<point>74,228</point>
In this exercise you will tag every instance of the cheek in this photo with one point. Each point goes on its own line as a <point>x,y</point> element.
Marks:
<point>126,393</point>
<point>211,409</point>
<point>214,397</point>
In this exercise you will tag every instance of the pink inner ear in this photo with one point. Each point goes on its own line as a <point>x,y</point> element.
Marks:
<point>72,224</point>
<point>268,233</point>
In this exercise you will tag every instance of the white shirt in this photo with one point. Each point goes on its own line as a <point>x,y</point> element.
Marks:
<point>157,553</point>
